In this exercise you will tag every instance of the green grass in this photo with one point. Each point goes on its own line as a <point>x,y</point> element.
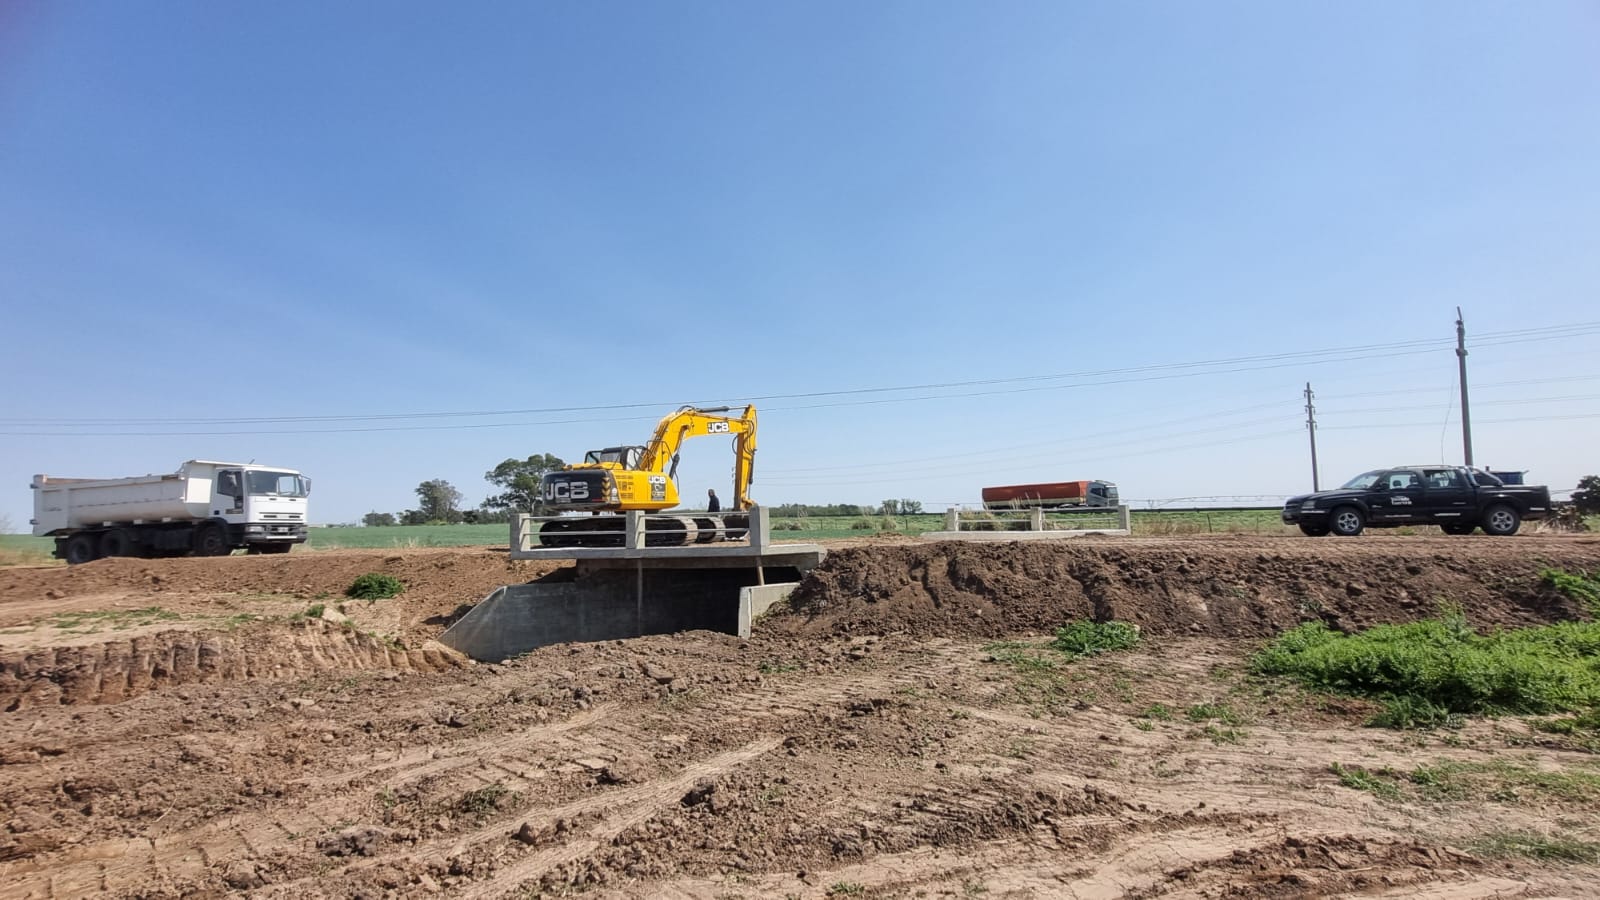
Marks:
<point>407,536</point>
<point>1425,672</point>
<point>26,550</point>
<point>1584,586</point>
<point>1380,783</point>
<point>1459,781</point>
<point>1213,712</point>
<point>1532,845</point>
<point>90,621</point>
<point>1089,638</point>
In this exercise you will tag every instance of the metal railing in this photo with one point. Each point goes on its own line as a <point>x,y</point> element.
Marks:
<point>1098,518</point>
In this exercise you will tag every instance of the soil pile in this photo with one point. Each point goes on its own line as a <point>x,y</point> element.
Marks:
<point>1226,588</point>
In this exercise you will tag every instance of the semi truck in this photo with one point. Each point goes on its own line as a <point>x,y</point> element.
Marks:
<point>206,508</point>
<point>1055,495</point>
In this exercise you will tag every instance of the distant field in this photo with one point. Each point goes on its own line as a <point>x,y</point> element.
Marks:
<point>409,536</point>
<point>24,550</point>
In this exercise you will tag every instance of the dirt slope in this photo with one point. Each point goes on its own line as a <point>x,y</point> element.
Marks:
<point>1242,587</point>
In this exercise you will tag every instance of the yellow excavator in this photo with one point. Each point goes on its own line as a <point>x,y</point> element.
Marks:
<point>618,479</point>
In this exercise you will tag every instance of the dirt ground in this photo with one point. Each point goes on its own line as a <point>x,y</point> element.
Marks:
<point>171,728</point>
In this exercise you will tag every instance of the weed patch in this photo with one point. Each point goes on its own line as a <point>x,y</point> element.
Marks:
<point>114,619</point>
<point>484,800</point>
<point>1089,638</point>
<point>1532,845</point>
<point>1583,586</point>
<point>1380,783</point>
<point>374,586</point>
<point>1425,672</point>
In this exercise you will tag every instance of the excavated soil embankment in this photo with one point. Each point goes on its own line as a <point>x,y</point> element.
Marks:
<point>113,671</point>
<point>43,666</point>
<point>1243,588</point>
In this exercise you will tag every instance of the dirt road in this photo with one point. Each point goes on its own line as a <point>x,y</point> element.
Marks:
<point>872,742</point>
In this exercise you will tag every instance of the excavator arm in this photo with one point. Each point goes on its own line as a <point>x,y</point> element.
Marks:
<point>688,422</point>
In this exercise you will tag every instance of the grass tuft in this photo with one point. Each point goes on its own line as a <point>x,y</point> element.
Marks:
<point>1532,845</point>
<point>1089,638</point>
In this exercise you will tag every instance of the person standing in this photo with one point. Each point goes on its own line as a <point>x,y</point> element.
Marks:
<point>712,503</point>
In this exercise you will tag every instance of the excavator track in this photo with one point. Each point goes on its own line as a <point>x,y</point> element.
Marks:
<point>660,531</point>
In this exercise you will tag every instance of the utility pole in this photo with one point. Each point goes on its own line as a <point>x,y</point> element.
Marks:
<point>1461,358</point>
<point>1311,426</point>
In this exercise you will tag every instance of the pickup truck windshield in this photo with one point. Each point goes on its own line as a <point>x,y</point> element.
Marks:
<point>1363,481</point>
<point>277,484</point>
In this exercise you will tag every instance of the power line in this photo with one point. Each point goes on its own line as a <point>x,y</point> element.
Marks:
<point>1170,370</point>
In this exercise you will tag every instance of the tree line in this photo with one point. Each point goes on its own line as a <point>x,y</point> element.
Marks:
<point>517,485</point>
<point>440,503</point>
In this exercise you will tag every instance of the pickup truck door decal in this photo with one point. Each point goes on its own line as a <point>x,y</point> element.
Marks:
<point>1448,497</point>
<point>1402,501</point>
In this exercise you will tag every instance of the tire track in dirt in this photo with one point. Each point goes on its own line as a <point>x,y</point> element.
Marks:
<point>109,866</point>
<point>637,805</point>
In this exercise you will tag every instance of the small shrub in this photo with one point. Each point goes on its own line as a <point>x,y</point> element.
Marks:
<point>1089,638</point>
<point>484,800</point>
<point>374,586</point>
<point>862,524</point>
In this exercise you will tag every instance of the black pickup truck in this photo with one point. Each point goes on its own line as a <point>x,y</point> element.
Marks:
<point>1454,498</point>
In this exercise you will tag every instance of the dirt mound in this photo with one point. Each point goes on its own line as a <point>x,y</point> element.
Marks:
<point>114,671</point>
<point>1224,588</point>
<point>437,581</point>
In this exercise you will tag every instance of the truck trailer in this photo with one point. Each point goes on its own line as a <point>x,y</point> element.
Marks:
<point>1056,495</point>
<point>206,508</point>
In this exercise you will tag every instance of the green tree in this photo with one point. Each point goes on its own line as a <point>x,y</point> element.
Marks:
<point>378,519</point>
<point>1587,497</point>
<point>518,481</point>
<point>910,507</point>
<point>438,501</point>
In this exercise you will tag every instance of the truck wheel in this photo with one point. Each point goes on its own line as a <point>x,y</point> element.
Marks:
<point>81,549</point>
<point>1501,520</point>
<point>1310,530</point>
<point>1458,528</point>
<point>116,542</point>
<point>211,540</point>
<point>1346,521</point>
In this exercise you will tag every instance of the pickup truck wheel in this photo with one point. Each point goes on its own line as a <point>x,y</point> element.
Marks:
<point>1347,521</point>
<point>81,548</point>
<point>1310,530</point>
<point>1501,520</point>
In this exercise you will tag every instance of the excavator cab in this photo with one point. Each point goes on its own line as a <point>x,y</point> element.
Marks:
<point>625,457</point>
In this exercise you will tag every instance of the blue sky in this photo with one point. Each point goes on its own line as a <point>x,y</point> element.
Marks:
<point>216,211</point>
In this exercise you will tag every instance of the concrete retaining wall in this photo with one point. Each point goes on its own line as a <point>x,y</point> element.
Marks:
<point>610,604</point>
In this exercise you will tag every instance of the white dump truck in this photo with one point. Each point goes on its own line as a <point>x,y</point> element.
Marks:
<point>206,508</point>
